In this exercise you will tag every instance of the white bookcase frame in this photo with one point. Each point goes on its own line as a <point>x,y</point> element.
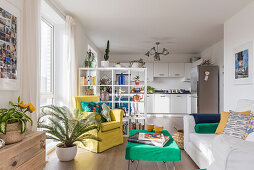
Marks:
<point>129,85</point>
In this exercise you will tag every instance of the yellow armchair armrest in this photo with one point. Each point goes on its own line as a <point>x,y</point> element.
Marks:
<point>116,115</point>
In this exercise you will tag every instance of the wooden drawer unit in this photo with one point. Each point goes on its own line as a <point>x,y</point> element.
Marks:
<point>29,154</point>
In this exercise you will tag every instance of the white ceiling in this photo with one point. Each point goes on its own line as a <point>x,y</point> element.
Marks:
<point>132,26</point>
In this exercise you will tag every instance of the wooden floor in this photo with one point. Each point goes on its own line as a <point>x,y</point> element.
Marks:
<point>113,159</point>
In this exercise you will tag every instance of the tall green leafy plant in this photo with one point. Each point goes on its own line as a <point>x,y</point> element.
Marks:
<point>17,113</point>
<point>106,56</point>
<point>67,127</point>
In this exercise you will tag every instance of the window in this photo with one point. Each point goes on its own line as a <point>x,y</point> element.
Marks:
<point>47,63</point>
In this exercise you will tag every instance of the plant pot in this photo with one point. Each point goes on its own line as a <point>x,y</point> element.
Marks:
<point>104,63</point>
<point>66,154</point>
<point>13,134</point>
<point>137,82</point>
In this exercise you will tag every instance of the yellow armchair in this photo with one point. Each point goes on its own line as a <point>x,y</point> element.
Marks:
<point>111,133</point>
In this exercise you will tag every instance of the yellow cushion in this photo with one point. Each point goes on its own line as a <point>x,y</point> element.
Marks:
<point>224,120</point>
<point>106,126</point>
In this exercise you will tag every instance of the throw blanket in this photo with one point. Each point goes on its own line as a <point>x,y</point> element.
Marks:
<point>206,118</point>
<point>222,146</point>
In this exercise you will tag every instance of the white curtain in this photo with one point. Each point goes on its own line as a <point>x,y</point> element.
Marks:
<point>70,63</point>
<point>31,55</point>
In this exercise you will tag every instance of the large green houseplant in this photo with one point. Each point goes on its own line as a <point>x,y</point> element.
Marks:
<point>67,128</point>
<point>13,121</point>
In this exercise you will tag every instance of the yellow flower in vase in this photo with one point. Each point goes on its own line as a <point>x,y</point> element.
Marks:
<point>22,105</point>
<point>31,107</point>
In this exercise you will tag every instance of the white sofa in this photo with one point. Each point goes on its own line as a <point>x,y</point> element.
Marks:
<point>219,152</point>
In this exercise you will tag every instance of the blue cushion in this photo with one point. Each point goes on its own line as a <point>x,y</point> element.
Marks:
<point>91,106</point>
<point>206,118</point>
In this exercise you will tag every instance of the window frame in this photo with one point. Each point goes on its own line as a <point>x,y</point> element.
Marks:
<point>52,93</point>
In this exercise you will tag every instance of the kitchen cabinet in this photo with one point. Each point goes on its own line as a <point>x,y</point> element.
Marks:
<point>149,67</point>
<point>161,69</point>
<point>149,104</point>
<point>176,69</point>
<point>187,71</point>
<point>178,103</point>
<point>162,103</point>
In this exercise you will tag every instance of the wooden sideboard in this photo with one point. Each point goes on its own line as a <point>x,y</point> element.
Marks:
<point>29,154</point>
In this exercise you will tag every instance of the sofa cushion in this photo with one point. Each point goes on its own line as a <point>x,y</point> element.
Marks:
<point>206,128</point>
<point>236,125</point>
<point>106,112</point>
<point>206,118</point>
<point>106,126</point>
<point>224,120</point>
<point>204,143</point>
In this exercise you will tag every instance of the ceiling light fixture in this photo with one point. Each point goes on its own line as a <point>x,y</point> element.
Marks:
<point>155,51</point>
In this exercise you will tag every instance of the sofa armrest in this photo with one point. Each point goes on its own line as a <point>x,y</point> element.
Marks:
<point>116,115</point>
<point>189,124</point>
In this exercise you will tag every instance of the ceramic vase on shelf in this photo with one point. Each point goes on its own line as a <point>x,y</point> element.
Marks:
<point>121,79</point>
<point>104,63</point>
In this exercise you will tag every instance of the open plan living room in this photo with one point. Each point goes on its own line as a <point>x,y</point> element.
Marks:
<point>126,84</point>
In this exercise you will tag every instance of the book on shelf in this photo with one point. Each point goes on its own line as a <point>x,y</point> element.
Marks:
<point>146,138</point>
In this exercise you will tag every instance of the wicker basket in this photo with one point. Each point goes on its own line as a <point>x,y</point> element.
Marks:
<point>179,138</point>
<point>13,134</point>
<point>89,92</point>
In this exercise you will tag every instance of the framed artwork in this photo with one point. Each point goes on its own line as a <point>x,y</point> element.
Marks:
<point>243,64</point>
<point>9,46</point>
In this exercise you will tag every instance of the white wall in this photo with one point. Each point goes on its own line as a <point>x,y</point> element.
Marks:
<point>238,30</point>
<point>6,96</point>
<point>159,83</point>
<point>216,55</point>
<point>82,42</point>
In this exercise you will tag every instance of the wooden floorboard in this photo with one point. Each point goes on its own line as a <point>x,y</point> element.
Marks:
<point>113,159</point>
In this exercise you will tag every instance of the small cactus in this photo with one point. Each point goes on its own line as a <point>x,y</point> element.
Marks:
<point>106,52</point>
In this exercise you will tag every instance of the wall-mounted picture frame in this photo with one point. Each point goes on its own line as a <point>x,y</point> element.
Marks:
<point>243,64</point>
<point>9,47</point>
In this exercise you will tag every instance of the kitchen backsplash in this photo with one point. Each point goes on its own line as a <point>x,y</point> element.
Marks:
<point>169,83</point>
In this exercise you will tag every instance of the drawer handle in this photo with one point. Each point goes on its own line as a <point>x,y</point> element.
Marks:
<point>43,146</point>
<point>161,74</point>
<point>163,96</point>
<point>178,96</point>
<point>177,74</point>
<point>14,163</point>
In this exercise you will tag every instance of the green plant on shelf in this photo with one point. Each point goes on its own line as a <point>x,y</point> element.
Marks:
<point>106,56</point>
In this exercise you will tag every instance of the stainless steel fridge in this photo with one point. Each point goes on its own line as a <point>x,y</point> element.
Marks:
<point>205,89</point>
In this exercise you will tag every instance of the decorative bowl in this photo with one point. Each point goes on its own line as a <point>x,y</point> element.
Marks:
<point>158,129</point>
<point>149,128</point>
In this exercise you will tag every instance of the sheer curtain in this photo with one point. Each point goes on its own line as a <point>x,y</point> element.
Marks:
<point>70,63</point>
<point>31,55</point>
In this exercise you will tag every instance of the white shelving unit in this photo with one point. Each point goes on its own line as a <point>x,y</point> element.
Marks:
<point>112,73</point>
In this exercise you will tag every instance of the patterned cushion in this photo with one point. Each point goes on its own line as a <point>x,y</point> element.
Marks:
<point>91,106</point>
<point>236,125</point>
<point>106,112</point>
<point>250,127</point>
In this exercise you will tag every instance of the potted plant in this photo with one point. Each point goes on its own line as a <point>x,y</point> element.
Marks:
<point>90,60</point>
<point>137,63</point>
<point>105,63</point>
<point>67,128</point>
<point>118,64</point>
<point>13,121</point>
<point>137,81</point>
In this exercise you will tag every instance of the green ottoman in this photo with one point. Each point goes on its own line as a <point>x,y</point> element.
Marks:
<point>143,152</point>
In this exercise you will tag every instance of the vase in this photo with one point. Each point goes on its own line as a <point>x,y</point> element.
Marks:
<point>13,133</point>
<point>104,63</point>
<point>66,154</point>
